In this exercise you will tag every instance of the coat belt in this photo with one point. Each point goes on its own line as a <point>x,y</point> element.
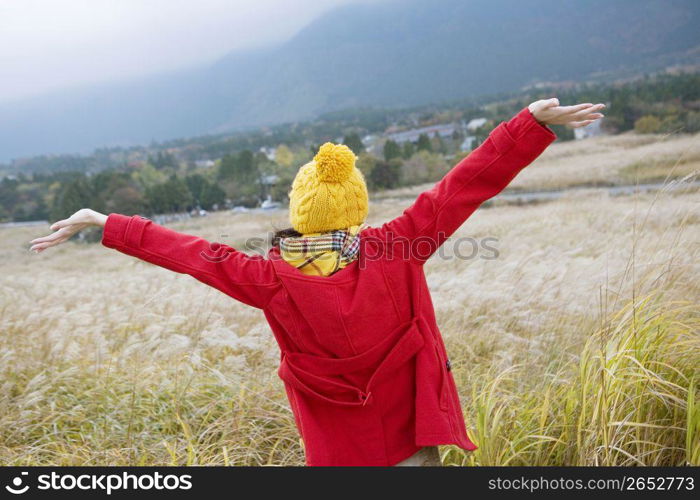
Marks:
<point>313,375</point>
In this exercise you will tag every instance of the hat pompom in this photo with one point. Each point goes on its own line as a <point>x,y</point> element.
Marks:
<point>334,162</point>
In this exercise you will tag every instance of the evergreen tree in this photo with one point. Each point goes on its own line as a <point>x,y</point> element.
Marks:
<point>179,196</point>
<point>391,150</point>
<point>386,174</point>
<point>227,168</point>
<point>240,168</point>
<point>424,143</point>
<point>74,196</point>
<point>247,168</point>
<point>354,142</point>
<point>211,195</point>
<point>196,184</point>
<point>163,160</point>
<point>171,196</point>
<point>240,178</point>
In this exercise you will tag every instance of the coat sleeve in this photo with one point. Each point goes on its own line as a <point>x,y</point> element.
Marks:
<point>249,279</point>
<point>437,213</point>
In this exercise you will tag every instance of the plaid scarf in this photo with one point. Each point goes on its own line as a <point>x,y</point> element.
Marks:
<point>322,254</point>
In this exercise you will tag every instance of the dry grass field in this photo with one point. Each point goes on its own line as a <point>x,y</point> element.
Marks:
<point>578,345</point>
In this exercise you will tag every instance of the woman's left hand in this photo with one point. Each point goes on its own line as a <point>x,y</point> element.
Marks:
<point>549,112</point>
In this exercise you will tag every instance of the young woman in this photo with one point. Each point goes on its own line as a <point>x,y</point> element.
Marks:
<point>362,359</point>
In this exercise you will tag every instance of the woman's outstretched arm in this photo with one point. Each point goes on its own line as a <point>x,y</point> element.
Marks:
<point>511,146</point>
<point>250,279</point>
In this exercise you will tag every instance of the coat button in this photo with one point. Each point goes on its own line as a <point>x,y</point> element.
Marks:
<point>448,365</point>
<point>365,397</point>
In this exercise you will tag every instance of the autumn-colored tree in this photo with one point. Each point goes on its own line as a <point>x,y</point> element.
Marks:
<point>647,125</point>
<point>284,156</point>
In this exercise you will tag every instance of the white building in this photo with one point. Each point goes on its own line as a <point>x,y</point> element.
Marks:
<point>204,163</point>
<point>442,130</point>
<point>269,152</point>
<point>476,123</point>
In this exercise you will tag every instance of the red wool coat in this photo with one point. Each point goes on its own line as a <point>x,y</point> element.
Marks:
<point>362,359</point>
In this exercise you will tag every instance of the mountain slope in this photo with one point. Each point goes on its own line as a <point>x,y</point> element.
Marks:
<point>394,54</point>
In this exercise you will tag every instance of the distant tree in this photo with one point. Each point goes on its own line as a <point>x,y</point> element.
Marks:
<point>74,196</point>
<point>157,199</point>
<point>386,174</point>
<point>365,164</point>
<point>180,197</point>
<point>671,124</point>
<point>147,176</point>
<point>692,122</point>
<point>354,142</point>
<point>9,195</point>
<point>483,132</point>
<point>423,167</point>
<point>104,185</point>
<point>647,125</point>
<point>391,150</point>
<point>240,168</point>
<point>196,184</point>
<point>211,195</point>
<point>204,193</point>
<point>127,200</point>
<point>163,160</point>
<point>227,168</point>
<point>284,156</point>
<point>424,143</point>
<point>408,150</point>
<point>30,209</point>
<point>240,178</point>
<point>263,163</point>
<point>460,155</point>
<point>171,196</point>
<point>438,145</point>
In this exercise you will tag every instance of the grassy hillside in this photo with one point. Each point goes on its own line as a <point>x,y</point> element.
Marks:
<point>578,345</point>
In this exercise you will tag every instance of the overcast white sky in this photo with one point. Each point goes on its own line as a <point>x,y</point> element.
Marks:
<point>47,44</point>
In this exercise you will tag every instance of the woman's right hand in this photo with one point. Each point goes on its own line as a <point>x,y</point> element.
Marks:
<point>66,228</point>
<point>549,112</point>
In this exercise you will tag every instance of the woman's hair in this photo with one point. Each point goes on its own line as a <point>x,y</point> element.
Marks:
<point>283,233</point>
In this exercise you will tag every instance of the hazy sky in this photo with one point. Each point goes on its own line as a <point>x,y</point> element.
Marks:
<point>45,44</point>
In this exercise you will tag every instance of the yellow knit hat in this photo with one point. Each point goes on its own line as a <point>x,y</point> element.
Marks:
<point>329,192</point>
